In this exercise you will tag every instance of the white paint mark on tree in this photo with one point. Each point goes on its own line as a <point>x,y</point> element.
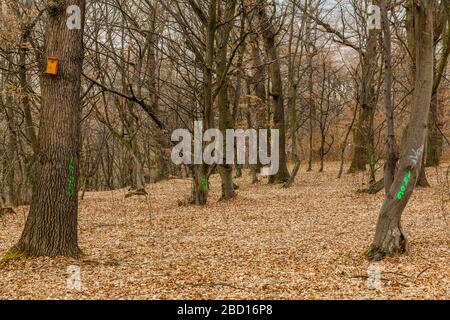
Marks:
<point>416,157</point>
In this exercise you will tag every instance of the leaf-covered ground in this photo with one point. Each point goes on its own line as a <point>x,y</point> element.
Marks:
<point>268,243</point>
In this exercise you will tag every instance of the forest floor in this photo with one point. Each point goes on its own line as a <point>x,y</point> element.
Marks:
<point>268,243</point>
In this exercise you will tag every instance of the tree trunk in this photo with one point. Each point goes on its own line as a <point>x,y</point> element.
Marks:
<point>259,89</point>
<point>293,83</point>
<point>199,172</point>
<point>391,163</point>
<point>363,145</point>
<point>344,144</point>
<point>410,34</point>
<point>322,154</point>
<point>51,226</point>
<point>200,185</point>
<point>225,116</point>
<point>294,173</point>
<point>248,117</point>
<point>276,91</point>
<point>312,110</point>
<point>11,154</point>
<point>359,158</point>
<point>138,172</point>
<point>24,89</point>
<point>389,238</point>
<point>423,181</point>
<point>434,138</point>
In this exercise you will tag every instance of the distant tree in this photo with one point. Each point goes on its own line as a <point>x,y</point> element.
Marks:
<point>225,14</point>
<point>276,91</point>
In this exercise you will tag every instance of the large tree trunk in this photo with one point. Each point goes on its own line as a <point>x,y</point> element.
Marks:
<point>276,91</point>
<point>138,173</point>
<point>199,184</point>
<point>225,116</point>
<point>13,197</point>
<point>410,32</point>
<point>293,83</point>
<point>199,171</point>
<point>363,136</point>
<point>389,237</point>
<point>256,83</point>
<point>434,138</point>
<point>51,226</point>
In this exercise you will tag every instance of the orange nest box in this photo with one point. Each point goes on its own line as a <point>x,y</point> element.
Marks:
<point>52,66</point>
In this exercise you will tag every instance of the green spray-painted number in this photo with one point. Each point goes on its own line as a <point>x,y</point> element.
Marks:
<point>71,177</point>
<point>204,184</point>
<point>403,188</point>
<point>71,165</point>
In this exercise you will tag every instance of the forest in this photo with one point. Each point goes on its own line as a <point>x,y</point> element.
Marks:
<point>224,149</point>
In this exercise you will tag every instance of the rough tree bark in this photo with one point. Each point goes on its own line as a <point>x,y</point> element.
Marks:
<point>199,171</point>
<point>363,145</point>
<point>293,78</point>
<point>344,143</point>
<point>389,237</point>
<point>12,152</point>
<point>225,116</point>
<point>312,107</point>
<point>410,32</point>
<point>434,138</point>
<point>391,162</point>
<point>256,85</point>
<point>268,33</point>
<point>51,226</point>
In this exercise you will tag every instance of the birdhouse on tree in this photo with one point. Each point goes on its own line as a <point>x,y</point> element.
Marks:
<point>52,66</point>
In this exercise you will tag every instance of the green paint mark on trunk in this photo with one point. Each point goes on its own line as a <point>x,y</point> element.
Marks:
<point>72,177</point>
<point>204,184</point>
<point>403,188</point>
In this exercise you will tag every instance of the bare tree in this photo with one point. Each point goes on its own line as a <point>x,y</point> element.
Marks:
<point>389,236</point>
<point>276,90</point>
<point>391,163</point>
<point>51,226</point>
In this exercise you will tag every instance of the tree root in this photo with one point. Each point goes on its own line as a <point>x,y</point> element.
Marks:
<point>374,253</point>
<point>136,193</point>
<point>294,173</point>
<point>21,250</point>
<point>12,255</point>
<point>373,188</point>
<point>390,247</point>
